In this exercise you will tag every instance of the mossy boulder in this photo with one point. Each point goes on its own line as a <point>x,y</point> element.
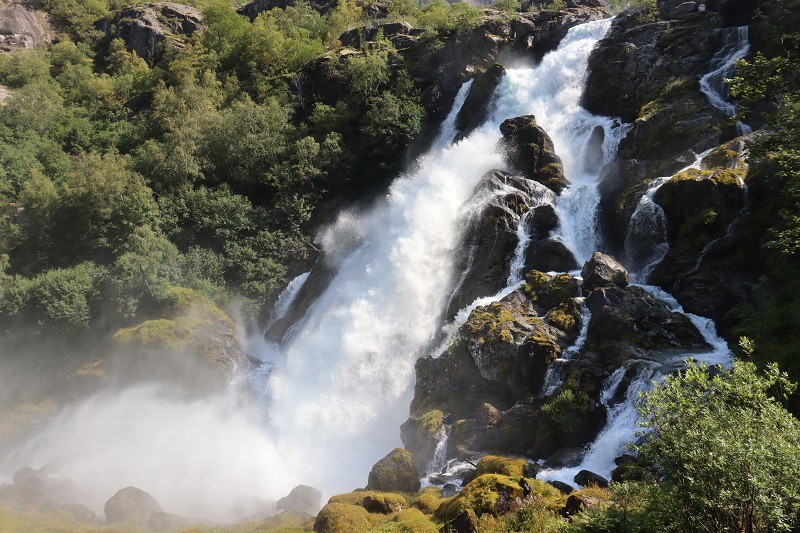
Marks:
<point>507,466</point>
<point>548,290</point>
<point>530,149</point>
<point>373,501</point>
<point>492,493</point>
<point>194,338</point>
<point>395,472</point>
<point>411,521</point>
<point>342,518</point>
<point>302,500</point>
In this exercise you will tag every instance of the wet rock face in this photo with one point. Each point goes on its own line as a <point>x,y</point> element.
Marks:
<point>491,238</point>
<point>145,27</point>
<point>474,109</point>
<point>529,149</point>
<point>629,323</point>
<point>22,27</point>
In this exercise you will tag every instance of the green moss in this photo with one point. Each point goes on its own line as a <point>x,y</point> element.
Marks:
<point>565,317</point>
<point>482,494</point>
<point>407,521</point>
<point>162,333</point>
<point>428,499</point>
<point>368,499</point>
<point>432,422</point>
<point>492,321</point>
<point>342,518</point>
<point>507,466</point>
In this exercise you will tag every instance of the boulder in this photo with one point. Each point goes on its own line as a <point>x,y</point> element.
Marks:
<point>586,478</point>
<point>530,150</point>
<point>602,270</point>
<point>22,27</point>
<point>488,415</point>
<point>132,506</point>
<point>79,512</point>
<point>342,518</point>
<point>562,487</point>
<point>302,500</point>
<point>395,472</point>
<point>146,27</point>
<point>373,502</point>
<point>507,466</point>
<point>550,255</point>
<point>576,503</point>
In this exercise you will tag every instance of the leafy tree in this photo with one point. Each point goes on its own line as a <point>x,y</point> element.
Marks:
<point>726,452</point>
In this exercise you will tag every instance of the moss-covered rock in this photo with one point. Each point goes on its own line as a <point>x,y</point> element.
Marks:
<point>395,472</point>
<point>507,466</point>
<point>410,521</point>
<point>342,518</point>
<point>421,434</point>
<point>373,501</point>
<point>530,150</point>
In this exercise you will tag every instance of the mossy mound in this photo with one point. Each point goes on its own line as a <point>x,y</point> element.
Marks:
<point>428,499</point>
<point>409,521</point>
<point>395,472</point>
<point>507,466</point>
<point>372,501</point>
<point>342,518</point>
<point>493,494</point>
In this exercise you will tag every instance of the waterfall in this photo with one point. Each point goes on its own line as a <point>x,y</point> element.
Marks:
<point>346,377</point>
<point>646,241</point>
<point>623,416</point>
<point>713,84</point>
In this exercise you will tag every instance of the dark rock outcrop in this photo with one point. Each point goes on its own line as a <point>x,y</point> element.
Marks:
<point>492,238</point>
<point>395,472</point>
<point>530,150</point>
<point>602,270</point>
<point>147,27</point>
<point>475,107</point>
<point>586,477</point>
<point>22,27</point>
<point>131,505</point>
<point>629,323</point>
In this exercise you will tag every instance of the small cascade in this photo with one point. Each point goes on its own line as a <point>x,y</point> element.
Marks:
<point>646,241</point>
<point>448,130</point>
<point>714,85</point>
<point>554,377</point>
<point>438,462</point>
<point>287,298</point>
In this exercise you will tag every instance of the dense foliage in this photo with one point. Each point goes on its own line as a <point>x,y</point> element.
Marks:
<point>207,167</point>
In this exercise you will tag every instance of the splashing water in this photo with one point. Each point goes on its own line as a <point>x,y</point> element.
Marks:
<point>714,85</point>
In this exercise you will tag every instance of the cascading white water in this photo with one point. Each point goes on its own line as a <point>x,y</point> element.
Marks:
<point>713,84</point>
<point>287,297</point>
<point>646,239</point>
<point>344,385</point>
